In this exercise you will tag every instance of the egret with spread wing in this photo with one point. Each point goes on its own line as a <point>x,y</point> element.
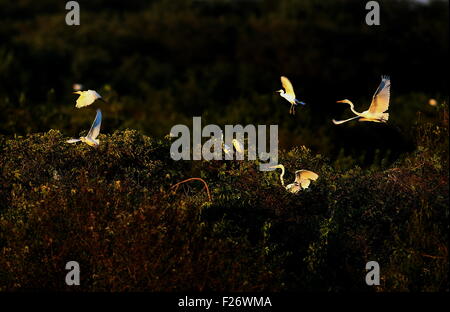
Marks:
<point>378,107</point>
<point>289,94</point>
<point>303,179</point>
<point>91,138</point>
<point>87,98</point>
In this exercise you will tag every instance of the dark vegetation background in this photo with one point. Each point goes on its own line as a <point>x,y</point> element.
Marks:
<point>383,188</point>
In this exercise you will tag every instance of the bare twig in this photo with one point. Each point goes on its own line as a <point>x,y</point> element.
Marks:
<point>432,257</point>
<point>191,179</point>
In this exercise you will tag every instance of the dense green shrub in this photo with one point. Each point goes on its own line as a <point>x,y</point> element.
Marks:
<point>113,210</point>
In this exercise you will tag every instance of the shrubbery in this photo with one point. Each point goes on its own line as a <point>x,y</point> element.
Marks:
<point>382,193</point>
<point>113,210</point>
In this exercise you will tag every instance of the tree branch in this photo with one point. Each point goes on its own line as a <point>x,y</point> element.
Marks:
<point>192,179</point>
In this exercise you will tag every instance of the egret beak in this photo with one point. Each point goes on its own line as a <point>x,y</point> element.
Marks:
<point>342,101</point>
<point>77,92</point>
<point>278,91</point>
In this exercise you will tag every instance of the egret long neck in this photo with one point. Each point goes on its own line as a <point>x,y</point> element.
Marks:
<point>282,174</point>
<point>352,108</point>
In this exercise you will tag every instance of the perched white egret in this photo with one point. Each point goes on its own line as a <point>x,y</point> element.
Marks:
<point>56,175</point>
<point>238,146</point>
<point>87,98</point>
<point>226,148</point>
<point>302,179</point>
<point>378,107</point>
<point>91,138</point>
<point>289,94</point>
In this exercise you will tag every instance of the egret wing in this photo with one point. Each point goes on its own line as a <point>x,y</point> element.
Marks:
<point>225,146</point>
<point>95,94</point>
<point>73,140</point>
<point>226,149</point>
<point>304,177</point>
<point>306,174</point>
<point>287,85</point>
<point>380,100</point>
<point>238,146</point>
<point>305,183</point>
<point>81,101</point>
<point>87,98</point>
<point>95,128</point>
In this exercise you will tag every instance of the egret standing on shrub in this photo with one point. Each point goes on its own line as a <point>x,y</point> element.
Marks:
<point>302,179</point>
<point>380,104</point>
<point>225,147</point>
<point>289,94</point>
<point>238,146</point>
<point>87,98</point>
<point>91,138</point>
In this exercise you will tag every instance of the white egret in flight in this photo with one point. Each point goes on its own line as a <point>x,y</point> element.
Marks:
<point>91,138</point>
<point>378,107</point>
<point>289,94</point>
<point>87,98</point>
<point>302,179</point>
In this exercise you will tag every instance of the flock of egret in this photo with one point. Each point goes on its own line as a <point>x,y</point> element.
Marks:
<point>303,178</point>
<point>375,113</point>
<point>86,98</point>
